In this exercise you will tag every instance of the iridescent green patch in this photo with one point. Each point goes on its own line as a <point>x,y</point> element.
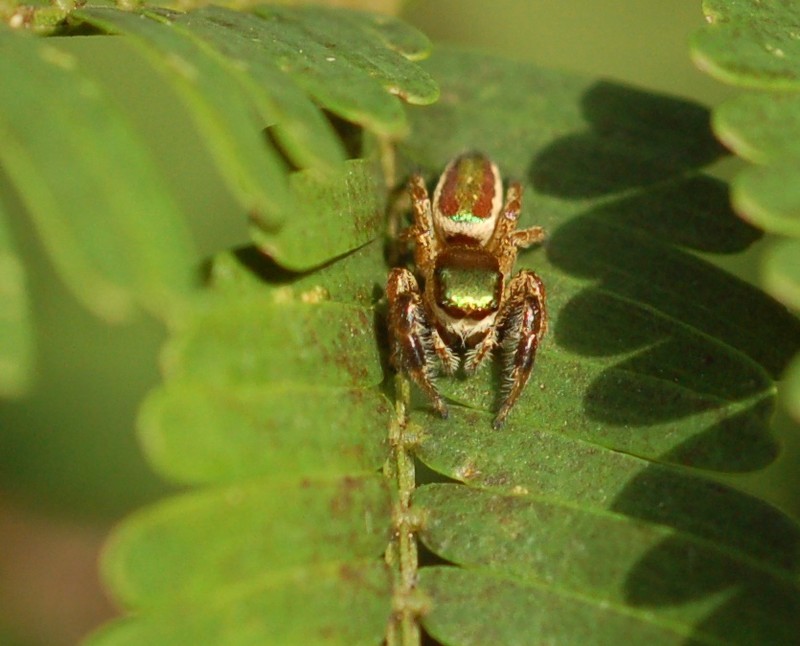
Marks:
<point>466,217</point>
<point>469,289</point>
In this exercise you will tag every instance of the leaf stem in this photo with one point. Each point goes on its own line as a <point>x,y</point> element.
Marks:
<point>388,159</point>
<point>401,553</point>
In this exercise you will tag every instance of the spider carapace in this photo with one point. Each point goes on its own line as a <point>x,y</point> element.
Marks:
<point>466,244</point>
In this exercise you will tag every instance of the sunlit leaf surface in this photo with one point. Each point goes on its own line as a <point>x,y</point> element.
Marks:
<point>792,388</point>
<point>748,124</point>
<point>272,396</point>
<point>221,110</point>
<point>338,214</point>
<point>782,272</point>
<point>295,608</point>
<point>764,127</point>
<point>257,87</point>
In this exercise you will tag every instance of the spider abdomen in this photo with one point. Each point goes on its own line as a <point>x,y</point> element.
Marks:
<point>468,198</point>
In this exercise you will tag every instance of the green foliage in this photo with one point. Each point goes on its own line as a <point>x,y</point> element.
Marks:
<point>88,183</point>
<point>560,528</point>
<point>334,217</point>
<point>574,525</point>
<point>108,220</point>
<point>757,46</point>
<point>594,514</point>
<point>271,395</point>
<point>16,343</point>
<point>751,44</point>
<point>226,63</point>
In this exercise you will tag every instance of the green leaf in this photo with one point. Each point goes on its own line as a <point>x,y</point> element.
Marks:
<point>16,334</point>
<point>572,525</point>
<point>196,433</point>
<point>768,197</point>
<point>272,395</point>
<point>348,60</point>
<point>239,74</point>
<point>747,44</point>
<point>245,342</point>
<point>782,272</point>
<point>254,172</point>
<point>599,563</point>
<point>224,63</point>
<point>339,213</point>
<point>591,145</point>
<point>474,607</point>
<point>765,128</point>
<point>758,45</point>
<point>588,532</point>
<point>255,532</point>
<point>792,388</point>
<point>357,278</point>
<point>100,208</point>
<point>760,126</point>
<point>754,44</point>
<point>328,599</point>
<point>549,466</point>
<point>300,128</point>
<point>781,275</point>
<point>578,521</point>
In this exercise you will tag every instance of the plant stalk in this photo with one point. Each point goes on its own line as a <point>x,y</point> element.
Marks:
<point>401,554</point>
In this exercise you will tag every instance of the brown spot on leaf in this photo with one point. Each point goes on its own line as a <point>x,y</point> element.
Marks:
<point>342,503</point>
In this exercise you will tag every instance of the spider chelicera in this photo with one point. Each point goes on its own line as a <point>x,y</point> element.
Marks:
<point>466,245</point>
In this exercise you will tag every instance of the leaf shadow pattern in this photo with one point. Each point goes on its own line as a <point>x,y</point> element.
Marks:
<point>682,353</point>
<point>653,313</point>
<point>660,314</point>
<point>744,567</point>
<point>579,521</point>
<point>609,156</point>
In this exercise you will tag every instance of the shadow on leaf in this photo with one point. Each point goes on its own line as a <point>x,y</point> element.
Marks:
<point>741,573</point>
<point>610,157</point>
<point>691,343</point>
<point>654,357</point>
<point>685,345</point>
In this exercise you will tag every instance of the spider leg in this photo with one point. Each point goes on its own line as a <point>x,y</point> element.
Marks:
<point>421,232</point>
<point>413,351</point>
<point>524,238</point>
<point>524,323</point>
<point>447,357</point>
<point>480,352</point>
<point>499,244</point>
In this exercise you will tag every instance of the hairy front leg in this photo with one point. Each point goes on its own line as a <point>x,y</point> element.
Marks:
<point>478,355</point>
<point>524,323</point>
<point>447,358</point>
<point>413,351</point>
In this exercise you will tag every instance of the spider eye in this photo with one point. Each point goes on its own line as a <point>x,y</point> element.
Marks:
<point>468,291</point>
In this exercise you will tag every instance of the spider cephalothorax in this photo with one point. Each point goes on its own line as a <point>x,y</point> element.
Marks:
<point>465,248</point>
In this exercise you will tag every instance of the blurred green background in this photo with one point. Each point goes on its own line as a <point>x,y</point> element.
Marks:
<point>69,463</point>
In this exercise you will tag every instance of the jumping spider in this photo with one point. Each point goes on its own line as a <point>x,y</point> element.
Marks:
<point>465,249</point>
